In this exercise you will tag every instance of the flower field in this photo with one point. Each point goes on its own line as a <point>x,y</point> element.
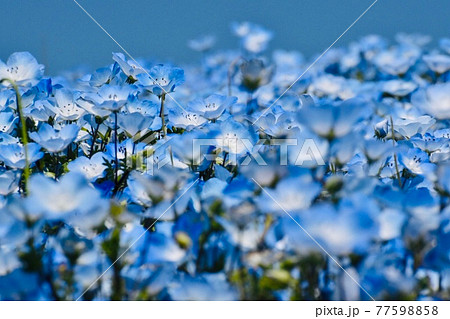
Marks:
<point>248,174</point>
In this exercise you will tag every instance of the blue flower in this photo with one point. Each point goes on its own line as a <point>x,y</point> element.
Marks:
<point>202,44</point>
<point>55,141</point>
<point>438,63</point>
<point>8,182</point>
<point>65,107</point>
<point>205,287</point>
<point>293,193</point>
<point>22,68</point>
<point>397,60</point>
<point>434,100</point>
<point>213,106</point>
<point>254,38</point>
<point>130,68</point>
<point>92,168</point>
<point>163,79</point>
<point>235,138</point>
<point>13,155</point>
<point>134,123</point>
<point>332,120</point>
<point>41,110</point>
<point>7,121</point>
<point>71,199</point>
<point>185,119</point>
<point>255,74</point>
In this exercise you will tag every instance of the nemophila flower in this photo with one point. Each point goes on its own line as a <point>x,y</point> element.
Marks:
<point>205,287</point>
<point>163,249</point>
<point>398,87</point>
<point>8,182</point>
<point>113,98</point>
<point>213,106</point>
<point>6,139</point>
<point>40,110</point>
<point>146,188</point>
<point>254,38</point>
<point>102,76</point>
<point>7,122</point>
<point>92,168</point>
<point>124,149</point>
<point>445,44</point>
<point>349,229</point>
<point>417,162</point>
<point>438,63</point>
<point>185,119</point>
<point>134,123</point>
<point>371,45</point>
<point>332,120</point>
<point>434,100</point>
<point>397,60</point>
<point>21,68</point>
<point>333,87</point>
<point>414,39</point>
<point>65,107</point>
<point>444,177</point>
<point>191,148</point>
<point>255,74</point>
<point>55,141</point>
<point>129,67</point>
<point>235,138</point>
<point>202,44</point>
<point>277,125</point>
<point>147,107</point>
<point>293,194</point>
<point>429,143</point>
<point>13,155</point>
<point>71,199</point>
<point>162,79</point>
<point>409,127</point>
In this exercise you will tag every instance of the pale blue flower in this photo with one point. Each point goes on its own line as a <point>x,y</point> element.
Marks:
<point>397,60</point>
<point>71,199</point>
<point>7,121</point>
<point>213,106</point>
<point>434,100</point>
<point>438,63</point>
<point>55,141</point>
<point>293,194</point>
<point>13,155</point>
<point>332,120</point>
<point>185,119</point>
<point>8,182</point>
<point>65,107</point>
<point>129,67</point>
<point>398,87</point>
<point>254,38</point>
<point>40,110</point>
<point>202,44</point>
<point>92,168</point>
<point>163,79</point>
<point>22,68</point>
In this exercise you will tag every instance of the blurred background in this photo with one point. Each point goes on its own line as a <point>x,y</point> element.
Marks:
<point>62,37</point>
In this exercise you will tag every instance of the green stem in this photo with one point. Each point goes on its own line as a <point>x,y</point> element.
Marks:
<point>161,114</point>
<point>116,177</point>
<point>26,171</point>
<point>94,138</point>
<point>395,154</point>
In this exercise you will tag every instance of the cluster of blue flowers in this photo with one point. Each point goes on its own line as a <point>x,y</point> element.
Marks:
<point>231,179</point>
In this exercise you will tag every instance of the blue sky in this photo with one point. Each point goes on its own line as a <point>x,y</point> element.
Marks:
<point>61,36</point>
